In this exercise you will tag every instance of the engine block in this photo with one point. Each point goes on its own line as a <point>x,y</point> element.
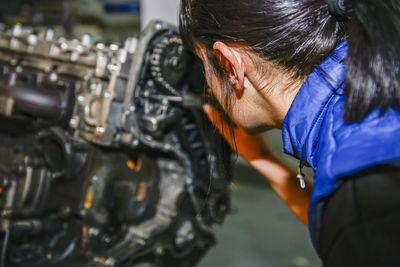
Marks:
<point>105,159</point>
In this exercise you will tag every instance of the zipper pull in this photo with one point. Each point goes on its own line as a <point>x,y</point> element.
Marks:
<point>300,175</point>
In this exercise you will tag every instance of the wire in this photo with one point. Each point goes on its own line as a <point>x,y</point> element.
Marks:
<point>4,248</point>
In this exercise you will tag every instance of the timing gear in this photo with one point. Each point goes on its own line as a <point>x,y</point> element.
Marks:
<point>168,63</point>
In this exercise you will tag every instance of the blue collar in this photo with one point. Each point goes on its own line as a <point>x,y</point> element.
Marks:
<point>302,123</point>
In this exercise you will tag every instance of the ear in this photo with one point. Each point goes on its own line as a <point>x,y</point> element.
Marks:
<point>230,58</point>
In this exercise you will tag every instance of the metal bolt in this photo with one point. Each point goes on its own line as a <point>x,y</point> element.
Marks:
<point>55,175</point>
<point>81,98</point>
<point>159,250</point>
<point>74,56</point>
<point>170,166</point>
<point>100,130</point>
<point>49,35</point>
<point>32,39</point>
<point>49,256</point>
<point>173,62</point>
<point>4,182</point>
<point>113,67</point>
<point>114,47</point>
<point>110,262</point>
<point>93,86</point>
<point>17,30</point>
<point>86,40</point>
<point>132,45</point>
<point>150,83</point>
<point>135,142</point>
<point>64,212</point>
<point>18,69</point>
<point>122,55</point>
<point>53,77</point>
<point>74,122</point>
<point>100,46</point>
<point>94,231</point>
<point>106,239</point>
<point>167,147</point>
<point>158,26</point>
<point>79,49</point>
<point>64,46</point>
<point>107,94</point>
<point>18,168</point>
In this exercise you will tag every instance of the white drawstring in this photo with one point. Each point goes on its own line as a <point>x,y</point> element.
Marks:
<point>300,175</point>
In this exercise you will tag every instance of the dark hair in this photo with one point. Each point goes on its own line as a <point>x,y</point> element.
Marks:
<point>373,61</point>
<point>299,34</point>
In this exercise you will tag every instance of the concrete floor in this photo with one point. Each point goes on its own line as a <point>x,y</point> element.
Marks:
<point>262,232</point>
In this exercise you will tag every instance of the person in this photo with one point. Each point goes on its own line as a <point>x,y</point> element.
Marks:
<point>328,74</point>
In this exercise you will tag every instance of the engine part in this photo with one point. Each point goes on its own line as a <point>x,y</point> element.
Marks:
<point>104,160</point>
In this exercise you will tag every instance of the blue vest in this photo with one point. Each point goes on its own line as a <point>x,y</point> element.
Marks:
<point>314,130</point>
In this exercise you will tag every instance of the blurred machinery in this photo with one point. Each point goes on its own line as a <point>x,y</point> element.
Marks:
<point>104,160</point>
<point>107,19</point>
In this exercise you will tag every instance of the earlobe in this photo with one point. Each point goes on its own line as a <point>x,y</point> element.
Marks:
<point>230,59</point>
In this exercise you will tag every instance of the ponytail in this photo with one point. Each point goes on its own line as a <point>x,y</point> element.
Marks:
<point>373,61</point>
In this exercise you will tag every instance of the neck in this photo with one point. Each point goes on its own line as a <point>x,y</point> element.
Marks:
<point>277,89</point>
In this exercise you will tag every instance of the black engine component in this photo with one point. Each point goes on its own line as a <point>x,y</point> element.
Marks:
<point>104,160</point>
